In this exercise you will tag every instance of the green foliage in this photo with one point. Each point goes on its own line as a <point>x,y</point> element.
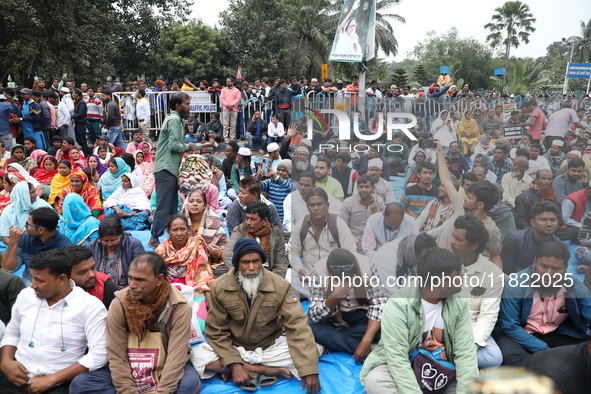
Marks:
<point>179,55</point>
<point>523,76</point>
<point>399,78</point>
<point>467,57</point>
<point>420,75</point>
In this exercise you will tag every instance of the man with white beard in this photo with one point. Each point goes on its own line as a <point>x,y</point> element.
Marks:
<point>244,334</point>
<point>301,163</point>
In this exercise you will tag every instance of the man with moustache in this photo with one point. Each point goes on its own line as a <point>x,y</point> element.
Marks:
<point>244,333</point>
<point>543,307</point>
<point>570,182</point>
<point>540,189</point>
<point>301,163</point>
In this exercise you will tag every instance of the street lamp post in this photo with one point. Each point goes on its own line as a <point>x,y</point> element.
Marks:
<point>571,40</point>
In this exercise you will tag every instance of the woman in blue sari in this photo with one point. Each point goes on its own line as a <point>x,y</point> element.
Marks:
<point>77,222</point>
<point>111,180</point>
<point>129,203</point>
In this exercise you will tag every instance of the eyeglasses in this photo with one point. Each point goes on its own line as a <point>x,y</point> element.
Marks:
<point>27,225</point>
<point>341,267</point>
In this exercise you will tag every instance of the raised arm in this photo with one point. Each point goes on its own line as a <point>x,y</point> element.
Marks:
<point>444,174</point>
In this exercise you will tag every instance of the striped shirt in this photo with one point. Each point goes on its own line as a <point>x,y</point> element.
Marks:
<point>277,189</point>
<point>414,199</point>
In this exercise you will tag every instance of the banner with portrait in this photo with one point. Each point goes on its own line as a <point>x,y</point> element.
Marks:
<point>354,31</point>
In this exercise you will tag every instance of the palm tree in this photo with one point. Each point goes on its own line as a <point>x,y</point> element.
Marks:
<point>523,76</point>
<point>583,51</point>
<point>512,24</point>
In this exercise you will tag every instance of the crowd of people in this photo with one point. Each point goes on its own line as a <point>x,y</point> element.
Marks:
<point>462,269</point>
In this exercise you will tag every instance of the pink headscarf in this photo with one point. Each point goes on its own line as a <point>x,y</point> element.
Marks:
<point>212,195</point>
<point>38,156</point>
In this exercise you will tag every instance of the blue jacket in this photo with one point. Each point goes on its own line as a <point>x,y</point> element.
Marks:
<point>29,247</point>
<point>516,306</point>
<point>132,248</point>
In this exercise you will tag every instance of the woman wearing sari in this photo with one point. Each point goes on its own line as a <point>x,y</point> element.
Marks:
<point>46,172</point>
<point>129,203</point>
<point>59,182</point>
<point>442,129</point>
<point>205,222</point>
<point>72,154</point>
<point>22,201</point>
<point>16,167</point>
<point>78,223</point>
<point>149,182</point>
<point>19,153</point>
<point>468,132</point>
<point>79,184</point>
<point>94,162</point>
<point>111,180</point>
<point>93,175</point>
<point>37,155</point>
<point>7,182</point>
<point>186,256</point>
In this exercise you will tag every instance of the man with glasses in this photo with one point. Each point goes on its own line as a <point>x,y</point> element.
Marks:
<point>40,236</point>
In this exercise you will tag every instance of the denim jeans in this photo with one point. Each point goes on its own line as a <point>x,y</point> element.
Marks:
<point>583,255</point>
<point>490,355</point>
<point>115,136</point>
<point>261,140</point>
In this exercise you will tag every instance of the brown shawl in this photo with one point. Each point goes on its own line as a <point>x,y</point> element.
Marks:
<point>264,235</point>
<point>143,318</point>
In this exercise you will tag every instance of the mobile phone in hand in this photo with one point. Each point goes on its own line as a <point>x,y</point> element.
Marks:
<point>265,166</point>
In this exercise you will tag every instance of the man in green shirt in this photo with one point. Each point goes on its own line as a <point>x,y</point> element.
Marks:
<point>170,152</point>
<point>328,183</point>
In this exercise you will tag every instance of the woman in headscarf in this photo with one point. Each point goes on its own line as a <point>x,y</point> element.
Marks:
<point>205,222</point>
<point>104,155</point>
<point>19,153</point>
<point>72,154</point>
<point>186,256</point>
<point>468,132</point>
<point>93,175</point>
<point>483,161</point>
<point>95,163</point>
<point>129,203</point>
<point>442,129</point>
<point>38,156</point>
<point>483,146</point>
<point>59,182</point>
<point>149,182</point>
<point>46,172</point>
<point>138,157</point>
<point>78,223</point>
<point>16,167</point>
<point>409,173</point>
<point>7,182</point>
<point>22,201</point>
<point>79,184</point>
<point>111,180</point>
<point>118,151</point>
<point>433,217</point>
<point>477,115</point>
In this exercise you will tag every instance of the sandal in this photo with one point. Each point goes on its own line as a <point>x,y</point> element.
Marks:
<point>265,380</point>
<point>254,383</point>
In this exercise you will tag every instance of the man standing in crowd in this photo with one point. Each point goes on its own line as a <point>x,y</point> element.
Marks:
<point>559,124</point>
<point>170,151</point>
<point>85,275</point>
<point>519,248</point>
<point>142,110</point>
<point>256,225</point>
<point>65,109</point>
<point>112,120</point>
<point>423,312</point>
<point>387,226</point>
<point>94,113</point>
<point>229,97</point>
<point>233,333</point>
<point>382,187</point>
<point>250,191</point>
<point>326,182</point>
<point>501,164</point>
<point>569,182</point>
<point>40,235</point>
<point>543,307</point>
<point>31,118</point>
<point>345,318</point>
<point>357,209</point>
<point>45,121</point>
<point>5,110</point>
<point>536,123</point>
<point>79,118</point>
<point>415,198</point>
<point>315,236</point>
<point>151,308</point>
<point>56,333</point>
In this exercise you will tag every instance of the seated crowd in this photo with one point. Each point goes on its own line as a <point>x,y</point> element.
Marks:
<point>466,270</point>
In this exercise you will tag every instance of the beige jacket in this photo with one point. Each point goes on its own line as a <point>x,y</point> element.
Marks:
<point>175,326</point>
<point>233,322</point>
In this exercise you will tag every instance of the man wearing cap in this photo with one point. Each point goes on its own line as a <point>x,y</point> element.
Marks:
<point>171,148</point>
<point>65,109</point>
<point>278,184</point>
<point>555,155</point>
<point>31,118</point>
<point>242,167</point>
<point>273,149</point>
<point>244,330</point>
<point>301,162</point>
<point>382,187</point>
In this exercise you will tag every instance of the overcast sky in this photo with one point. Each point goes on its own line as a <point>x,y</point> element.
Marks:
<point>555,20</point>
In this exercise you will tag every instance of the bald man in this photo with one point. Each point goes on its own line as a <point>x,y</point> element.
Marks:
<point>383,227</point>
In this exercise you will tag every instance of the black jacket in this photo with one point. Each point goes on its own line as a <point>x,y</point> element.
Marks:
<point>523,203</point>
<point>80,111</point>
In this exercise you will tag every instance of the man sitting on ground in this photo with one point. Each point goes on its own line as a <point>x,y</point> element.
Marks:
<point>346,175</point>
<point>325,181</point>
<point>382,187</point>
<point>515,182</point>
<point>243,320</point>
<point>569,182</point>
<point>415,198</point>
<point>85,275</point>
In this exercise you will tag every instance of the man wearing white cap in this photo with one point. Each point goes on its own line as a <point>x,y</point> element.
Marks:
<point>307,143</point>
<point>65,109</point>
<point>301,163</point>
<point>382,187</point>
<point>242,168</point>
<point>273,149</point>
<point>555,155</point>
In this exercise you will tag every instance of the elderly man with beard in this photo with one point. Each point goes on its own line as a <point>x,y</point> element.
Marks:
<point>85,275</point>
<point>515,182</point>
<point>555,155</point>
<point>294,206</point>
<point>270,237</point>
<point>170,151</point>
<point>250,309</point>
<point>301,163</point>
<point>543,307</point>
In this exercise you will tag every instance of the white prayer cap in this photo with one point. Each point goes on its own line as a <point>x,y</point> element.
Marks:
<point>272,147</point>
<point>244,151</point>
<point>375,163</point>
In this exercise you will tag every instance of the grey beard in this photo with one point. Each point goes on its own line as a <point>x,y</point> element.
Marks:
<point>301,165</point>
<point>240,166</point>
<point>250,286</point>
